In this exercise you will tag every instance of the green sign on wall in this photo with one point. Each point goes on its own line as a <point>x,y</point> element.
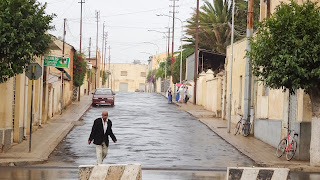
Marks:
<point>62,62</point>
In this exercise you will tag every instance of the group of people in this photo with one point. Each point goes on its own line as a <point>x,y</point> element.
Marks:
<point>182,94</point>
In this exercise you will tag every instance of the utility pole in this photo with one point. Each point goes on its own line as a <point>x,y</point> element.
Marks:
<point>248,76</point>
<point>230,71</point>
<point>165,66</point>
<point>109,71</point>
<point>196,56</point>
<point>173,19</point>
<point>95,82</point>
<point>105,50</point>
<point>102,60</point>
<point>89,47</point>
<point>90,70</point>
<point>64,35</point>
<point>80,40</point>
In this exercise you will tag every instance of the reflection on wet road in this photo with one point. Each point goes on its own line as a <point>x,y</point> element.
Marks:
<point>153,133</point>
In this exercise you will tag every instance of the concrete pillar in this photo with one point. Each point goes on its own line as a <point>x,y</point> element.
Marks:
<point>285,116</point>
<point>19,109</point>
<point>315,142</point>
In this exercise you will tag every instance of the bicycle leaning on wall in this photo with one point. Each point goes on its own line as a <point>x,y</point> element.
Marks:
<point>288,145</point>
<point>245,126</point>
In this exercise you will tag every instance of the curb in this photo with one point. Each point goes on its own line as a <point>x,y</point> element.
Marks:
<point>45,155</point>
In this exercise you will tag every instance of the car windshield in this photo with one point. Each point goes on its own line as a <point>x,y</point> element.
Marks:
<point>103,91</point>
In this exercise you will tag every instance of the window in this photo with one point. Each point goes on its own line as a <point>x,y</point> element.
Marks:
<point>143,74</point>
<point>124,73</point>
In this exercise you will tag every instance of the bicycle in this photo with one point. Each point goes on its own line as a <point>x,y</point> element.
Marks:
<point>246,126</point>
<point>286,147</point>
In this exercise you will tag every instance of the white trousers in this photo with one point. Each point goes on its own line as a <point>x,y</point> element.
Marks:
<point>102,151</point>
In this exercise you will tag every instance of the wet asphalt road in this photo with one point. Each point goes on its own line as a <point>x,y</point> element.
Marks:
<point>167,142</point>
<point>153,133</point>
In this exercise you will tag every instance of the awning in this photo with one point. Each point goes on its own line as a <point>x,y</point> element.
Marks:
<point>66,76</point>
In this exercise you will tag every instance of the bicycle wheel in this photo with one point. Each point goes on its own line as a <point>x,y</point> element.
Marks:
<point>246,129</point>
<point>291,150</point>
<point>236,129</point>
<point>281,147</point>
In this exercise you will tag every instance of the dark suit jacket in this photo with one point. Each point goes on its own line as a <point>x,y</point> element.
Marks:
<point>98,135</point>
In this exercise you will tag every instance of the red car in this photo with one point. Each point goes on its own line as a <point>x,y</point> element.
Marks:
<point>139,90</point>
<point>103,96</point>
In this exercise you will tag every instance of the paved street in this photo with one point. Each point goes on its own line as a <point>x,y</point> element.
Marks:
<point>168,142</point>
<point>151,132</point>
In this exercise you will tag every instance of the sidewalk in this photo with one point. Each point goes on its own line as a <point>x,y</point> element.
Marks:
<point>45,139</point>
<point>261,153</point>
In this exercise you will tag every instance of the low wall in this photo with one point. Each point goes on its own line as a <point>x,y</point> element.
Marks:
<point>110,172</point>
<point>268,131</point>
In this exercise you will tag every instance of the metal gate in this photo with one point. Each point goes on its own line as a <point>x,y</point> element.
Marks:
<point>123,87</point>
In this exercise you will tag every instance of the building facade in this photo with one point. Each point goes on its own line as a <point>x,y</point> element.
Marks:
<point>47,100</point>
<point>127,77</point>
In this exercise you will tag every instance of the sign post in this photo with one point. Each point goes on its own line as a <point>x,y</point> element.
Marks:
<point>33,73</point>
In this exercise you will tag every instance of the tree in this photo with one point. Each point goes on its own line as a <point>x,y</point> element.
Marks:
<point>214,32</point>
<point>23,24</point>
<point>104,77</point>
<point>176,65</point>
<point>79,69</point>
<point>215,24</point>
<point>286,54</point>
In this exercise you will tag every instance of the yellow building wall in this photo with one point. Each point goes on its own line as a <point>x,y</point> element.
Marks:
<point>6,89</point>
<point>157,59</point>
<point>133,77</point>
<point>238,76</point>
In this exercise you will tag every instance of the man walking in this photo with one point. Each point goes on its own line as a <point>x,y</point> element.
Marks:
<point>101,130</point>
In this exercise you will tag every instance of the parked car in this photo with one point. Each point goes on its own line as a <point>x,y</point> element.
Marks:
<point>103,96</point>
<point>139,90</point>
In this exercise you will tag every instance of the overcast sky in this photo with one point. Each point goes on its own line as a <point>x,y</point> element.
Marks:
<point>126,21</point>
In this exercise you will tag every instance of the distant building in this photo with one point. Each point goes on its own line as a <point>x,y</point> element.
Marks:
<point>127,77</point>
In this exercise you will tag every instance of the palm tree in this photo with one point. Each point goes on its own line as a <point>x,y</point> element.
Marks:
<point>214,32</point>
<point>214,24</point>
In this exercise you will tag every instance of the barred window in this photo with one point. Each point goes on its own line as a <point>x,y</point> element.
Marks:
<point>124,73</point>
<point>143,74</point>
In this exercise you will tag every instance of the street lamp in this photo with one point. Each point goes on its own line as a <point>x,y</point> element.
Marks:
<point>180,43</point>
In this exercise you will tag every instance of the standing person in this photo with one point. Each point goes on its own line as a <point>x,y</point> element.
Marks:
<point>177,96</point>
<point>101,130</point>
<point>186,94</point>
<point>169,95</point>
<point>181,94</point>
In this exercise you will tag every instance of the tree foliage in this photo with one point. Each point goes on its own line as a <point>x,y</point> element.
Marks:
<point>23,24</point>
<point>215,24</point>
<point>285,53</point>
<point>104,77</point>
<point>79,69</point>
